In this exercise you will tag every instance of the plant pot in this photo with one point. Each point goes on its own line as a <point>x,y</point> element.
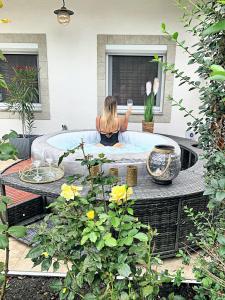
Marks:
<point>148,126</point>
<point>23,145</point>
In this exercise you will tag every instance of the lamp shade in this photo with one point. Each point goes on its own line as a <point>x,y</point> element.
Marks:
<point>63,14</point>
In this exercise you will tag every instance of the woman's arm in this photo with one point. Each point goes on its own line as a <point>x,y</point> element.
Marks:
<point>98,123</point>
<point>124,120</point>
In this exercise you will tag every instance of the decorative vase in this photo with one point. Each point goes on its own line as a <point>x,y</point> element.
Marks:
<point>95,170</point>
<point>114,172</point>
<point>148,126</point>
<point>163,164</point>
<point>131,176</point>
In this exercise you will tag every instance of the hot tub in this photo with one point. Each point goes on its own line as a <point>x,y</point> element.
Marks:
<point>136,148</point>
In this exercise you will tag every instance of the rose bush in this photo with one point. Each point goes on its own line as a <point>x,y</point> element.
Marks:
<point>107,251</point>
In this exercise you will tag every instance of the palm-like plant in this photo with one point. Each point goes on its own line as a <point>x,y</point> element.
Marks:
<point>22,94</point>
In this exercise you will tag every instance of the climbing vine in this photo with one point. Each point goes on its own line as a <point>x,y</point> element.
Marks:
<point>205,20</point>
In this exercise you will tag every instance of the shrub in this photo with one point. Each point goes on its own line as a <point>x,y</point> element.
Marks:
<point>93,230</point>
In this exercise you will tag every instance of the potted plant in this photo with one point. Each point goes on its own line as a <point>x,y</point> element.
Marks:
<point>147,123</point>
<point>21,96</point>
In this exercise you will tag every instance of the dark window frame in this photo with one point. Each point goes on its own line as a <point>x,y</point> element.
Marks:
<point>137,109</point>
<point>10,71</point>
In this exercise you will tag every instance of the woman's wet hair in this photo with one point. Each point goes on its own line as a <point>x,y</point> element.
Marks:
<point>110,111</point>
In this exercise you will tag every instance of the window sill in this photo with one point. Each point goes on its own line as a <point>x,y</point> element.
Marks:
<point>139,110</point>
<point>4,107</point>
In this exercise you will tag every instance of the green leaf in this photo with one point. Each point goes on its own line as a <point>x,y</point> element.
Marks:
<point>207,282</point>
<point>2,57</point>
<point>100,245</point>
<point>218,73</point>
<point>215,28</point>
<point>222,251</point>
<point>35,252</point>
<point>111,242</point>
<point>13,134</point>
<point>221,183</point>
<point>17,231</point>
<point>128,240</point>
<point>4,241</point>
<point>3,228</point>
<point>220,196</point>
<point>124,296</point>
<point>217,68</point>
<point>163,27</point>
<point>3,84</point>
<point>80,279</point>
<point>2,279</point>
<point>93,237</point>
<point>56,286</point>
<point>221,239</point>
<point>147,290</point>
<point>2,207</point>
<point>141,237</point>
<point>7,151</point>
<point>124,270</point>
<point>172,296</point>
<point>175,36</point>
<point>130,211</point>
<point>46,264</point>
<point>84,239</point>
<point>6,200</point>
<point>115,222</point>
<point>90,296</point>
<point>217,77</point>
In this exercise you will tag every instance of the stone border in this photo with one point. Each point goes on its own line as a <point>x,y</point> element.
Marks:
<point>40,39</point>
<point>104,39</point>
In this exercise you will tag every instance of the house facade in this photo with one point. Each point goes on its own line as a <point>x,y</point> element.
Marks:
<point>106,49</point>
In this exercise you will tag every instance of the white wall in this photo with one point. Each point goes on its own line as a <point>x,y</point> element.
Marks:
<point>72,54</point>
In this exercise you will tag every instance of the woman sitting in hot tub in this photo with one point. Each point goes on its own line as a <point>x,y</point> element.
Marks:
<point>109,125</point>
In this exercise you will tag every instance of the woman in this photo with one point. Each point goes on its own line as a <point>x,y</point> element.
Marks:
<point>109,125</point>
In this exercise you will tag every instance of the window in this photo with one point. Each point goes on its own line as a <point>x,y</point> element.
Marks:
<point>129,67</point>
<point>26,49</point>
<point>128,75</point>
<point>122,71</point>
<point>16,60</point>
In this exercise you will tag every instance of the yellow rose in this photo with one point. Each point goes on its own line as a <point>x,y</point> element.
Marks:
<point>5,21</point>
<point>76,190</point>
<point>45,254</point>
<point>64,290</point>
<point>66,192</point>
<point>120,193</point>
<point>70,191</point>
<point>90,214</point>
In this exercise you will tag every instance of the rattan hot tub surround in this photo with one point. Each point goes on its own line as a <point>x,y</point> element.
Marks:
<point>160,206</point>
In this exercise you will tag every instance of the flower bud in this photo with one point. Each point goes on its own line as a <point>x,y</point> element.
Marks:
<point>156,86</point>
<point>148,88</point>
